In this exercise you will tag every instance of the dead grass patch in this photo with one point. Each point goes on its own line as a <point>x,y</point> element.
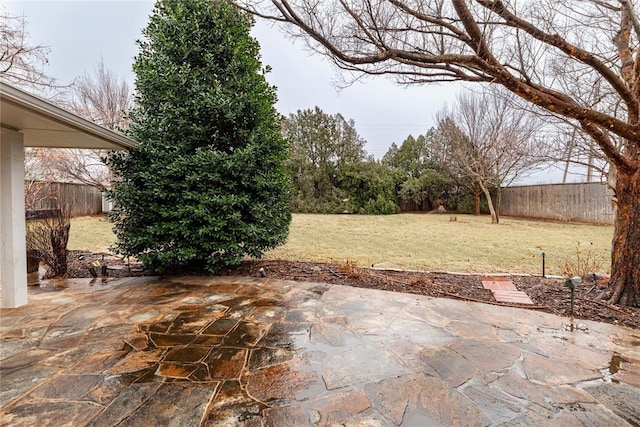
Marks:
<point>413,241</point>
<point>433,243</point>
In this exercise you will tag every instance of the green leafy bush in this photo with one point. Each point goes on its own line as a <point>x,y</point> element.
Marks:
<point>379,206</point>
<point>207,184</point>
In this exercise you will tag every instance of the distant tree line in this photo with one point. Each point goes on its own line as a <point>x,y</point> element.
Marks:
<point>454,165</point>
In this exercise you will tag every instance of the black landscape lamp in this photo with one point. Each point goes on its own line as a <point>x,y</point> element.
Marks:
<point>571,284</point>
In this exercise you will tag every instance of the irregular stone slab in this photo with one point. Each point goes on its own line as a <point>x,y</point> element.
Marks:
<point>262,357</point>
<point>497,405</point>
<point>12,334</point>
<point>483,354</point>
<point>246,334</point>
<point>192,300</point>
<point>62,337</point>
<point>238,302</point>
<point>248,290</point>
<point>189,354</point>
<point>454,369</point>
<point>268,314</point>
<point>171,340</point>
<point>13,384</point>
<point>68,387</point>
<point>622,399</point>
<point>519,388</point>
<point>631,378</point>
<point>82,316</point>
<point>285,416</point>
<point>339,407</point>
<point>420,400</point>
<point>136,362</point>
<point>220,327</point>
<point>588,415</point>
<point>208,340</point>
<point>226,363</point>
<point>418,331</point>
<point>473,330</point>
<point>173,404</point>
<point>291,336</point>
<point>332,334</point>
<point>176,370</point>
<point>566,395</point>
<point>301,316</point>
<point>97,363</point>
<point>278,383</point>
<point>137,341</point>
<point>532,418</point>
<point>545,371</point>
<point>10,348</point>
<point>24,358</point>
<point>229,288</point>
<point>347,368</point>
<point>392,396</point>
<point>232,407</point>
<point>109,338</point>
<point>192,322</point>
<point>369,418</point>
<point>43,413</point>
<point>108,389</point>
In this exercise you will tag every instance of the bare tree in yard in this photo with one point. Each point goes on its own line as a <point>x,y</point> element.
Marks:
<point>46,236</point>
<point>103,98</point>
<point>490,142</point>
<point>20,62</point>
<point>548,52</point>
<point>47,239</point>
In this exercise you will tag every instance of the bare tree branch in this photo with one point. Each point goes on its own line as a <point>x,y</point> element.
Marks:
<point>20,62</point>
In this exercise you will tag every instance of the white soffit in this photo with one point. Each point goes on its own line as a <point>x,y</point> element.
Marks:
<point>45,125</point>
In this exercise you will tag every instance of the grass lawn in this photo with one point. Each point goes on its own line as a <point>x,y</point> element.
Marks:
<point>416,241</point>
<point>91,234</point>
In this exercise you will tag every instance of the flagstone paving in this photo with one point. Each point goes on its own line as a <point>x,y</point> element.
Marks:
<point>190,351</point>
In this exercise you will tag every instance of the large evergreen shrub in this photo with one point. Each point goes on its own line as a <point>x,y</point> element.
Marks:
<point>206,185</point>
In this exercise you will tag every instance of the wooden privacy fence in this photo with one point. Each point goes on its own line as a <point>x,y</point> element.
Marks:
<point>589,202</point>
<point>82,199</point>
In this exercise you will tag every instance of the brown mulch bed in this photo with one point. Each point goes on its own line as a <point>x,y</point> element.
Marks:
<point>549,295</point>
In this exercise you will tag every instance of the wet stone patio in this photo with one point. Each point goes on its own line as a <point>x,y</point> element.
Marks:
<point>225,351</point>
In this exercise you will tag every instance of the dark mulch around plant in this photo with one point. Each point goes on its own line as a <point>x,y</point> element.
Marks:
<point>549,295</point>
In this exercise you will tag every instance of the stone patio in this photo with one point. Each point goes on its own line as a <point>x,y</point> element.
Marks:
<point>188,351</point>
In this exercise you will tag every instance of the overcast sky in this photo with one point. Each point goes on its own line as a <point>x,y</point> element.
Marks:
<point>79,33</point>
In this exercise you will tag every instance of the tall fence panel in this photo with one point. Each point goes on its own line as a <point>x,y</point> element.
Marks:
<point>80,198</point>
<point>589,202</point>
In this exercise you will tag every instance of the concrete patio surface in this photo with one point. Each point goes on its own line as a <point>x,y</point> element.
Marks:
<point>189,351</point>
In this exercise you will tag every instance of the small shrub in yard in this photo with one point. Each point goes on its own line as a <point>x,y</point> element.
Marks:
<point>583,263</point>
<point>379,206</point>
<point>47,240</point>
<point>421,281</point>
<point>350,269</point>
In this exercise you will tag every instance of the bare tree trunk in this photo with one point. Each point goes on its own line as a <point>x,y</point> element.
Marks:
<point>487,194</point>
<point>625,254</point>
<point>498,202</point>
<point>476,199</point>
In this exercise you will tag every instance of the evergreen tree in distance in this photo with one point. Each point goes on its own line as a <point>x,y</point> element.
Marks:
<point>207,184</point>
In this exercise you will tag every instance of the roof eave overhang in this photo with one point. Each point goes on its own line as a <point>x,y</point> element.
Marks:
<point>46,125</point>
